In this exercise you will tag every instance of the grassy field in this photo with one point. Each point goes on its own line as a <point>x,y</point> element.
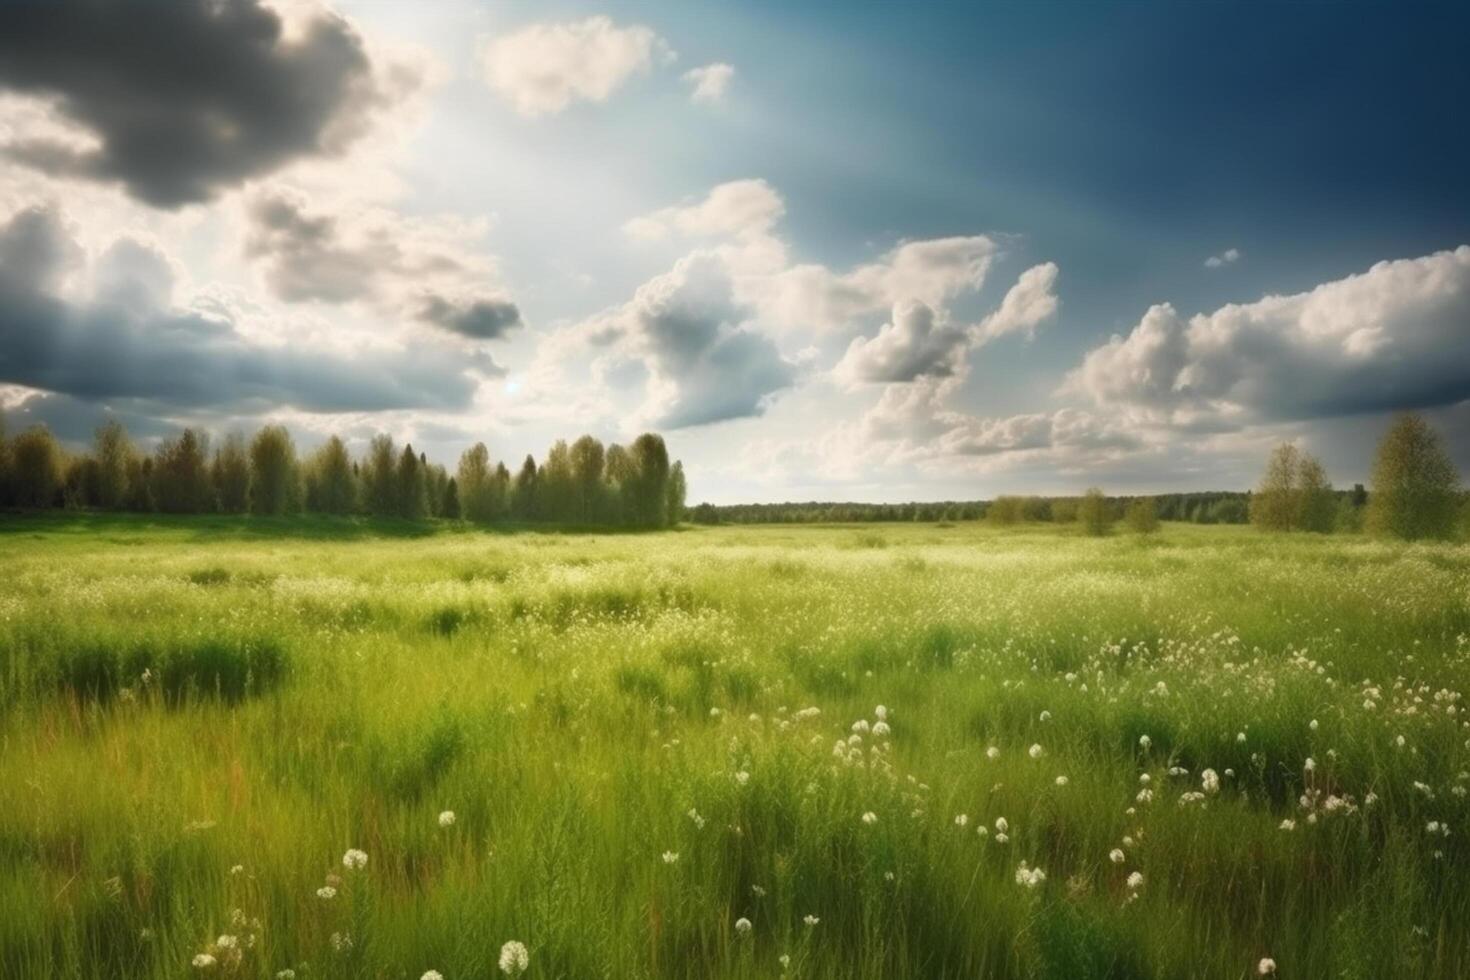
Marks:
<point>846,752</point>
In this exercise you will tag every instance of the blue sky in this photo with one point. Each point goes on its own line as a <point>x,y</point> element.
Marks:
<point>882,256</point>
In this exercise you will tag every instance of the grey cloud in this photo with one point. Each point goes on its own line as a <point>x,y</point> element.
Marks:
<point>306,257</point>
<point>186,99</point>
<point>109,350</point>
<point>311,256</point>
<point>708,367</point>
<point>482,319</point>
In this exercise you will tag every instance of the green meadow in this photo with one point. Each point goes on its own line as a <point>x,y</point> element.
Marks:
<point>918,750</point>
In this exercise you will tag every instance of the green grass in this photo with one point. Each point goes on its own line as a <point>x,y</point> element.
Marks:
<point>198,717</point>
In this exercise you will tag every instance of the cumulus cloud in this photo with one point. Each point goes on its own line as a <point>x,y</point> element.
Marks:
<point>178,101</point>
<point>739,208</point>
<point>915,343</point>
<point>424,268</point>
<point>931,272</point>
<point>127,343</point>
<point>919,342</point>
<point>543,68</point>
<point>1389,338</point>
<point>1225,258</point>
<point>709,83</point>
<point>707,366</point>
<point>1028,304</point>
<point>1064,430</point>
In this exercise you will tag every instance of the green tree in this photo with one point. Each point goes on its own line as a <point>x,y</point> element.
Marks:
<point>412,497</point>
<point>554,484</point>
<point>1141,516</point>
<point>587,459</point>
<point>650,480</point>
<point>381,477</point>
<point>436,478</point>
<point>617,481</point>
<point>449,500</point>
<point>523,503</point>
<point>230,475</point>
<point>1274,505</point>
<point>1416,489</point>
<point>1094,513</point>
<point>1005,510</point>
<point>499,492</point>
<point>113,453</point>
<point>275,479</point>
<point>678,492</point>
<point>181,482</point>
<point>331,488</point>
<point>35,468</point>
<point>1316,504</point>
<point>476,492</point>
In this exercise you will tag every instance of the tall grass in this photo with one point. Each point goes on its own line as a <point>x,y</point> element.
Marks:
<point>645,739</point>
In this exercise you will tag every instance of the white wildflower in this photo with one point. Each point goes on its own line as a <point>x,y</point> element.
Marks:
<point>1029,878</point>
<point>446,819</point>
<point>514,958</point>
<point>354,860</point>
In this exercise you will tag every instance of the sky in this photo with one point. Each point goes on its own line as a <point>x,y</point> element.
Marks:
<point>872,252</point>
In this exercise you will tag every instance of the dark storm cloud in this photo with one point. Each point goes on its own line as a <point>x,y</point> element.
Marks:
<point>109,350</point>
<point>482,319</point>
<point>186,98</point>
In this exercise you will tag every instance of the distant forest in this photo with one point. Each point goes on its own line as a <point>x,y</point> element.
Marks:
<point>1207,507</point>
<point>583,483</point>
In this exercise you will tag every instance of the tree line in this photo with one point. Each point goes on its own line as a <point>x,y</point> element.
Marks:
<point>583,483</point>
<point>1416,494</point>
<point>1415,490</point>
<point>1205,507</point>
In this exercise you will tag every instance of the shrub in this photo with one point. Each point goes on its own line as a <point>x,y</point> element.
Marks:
<point>1141,517</point>
<point>1094,513</point>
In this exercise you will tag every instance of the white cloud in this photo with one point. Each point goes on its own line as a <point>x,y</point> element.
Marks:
<point>1064,431</point>
<point>1029,303</point>
<point>738,208</point>
<point>709,83</point>
<point>1392,337</point>
<point>1223,259</point>
<point>915,343</point>
<point>543,68</point>
<point>932,272</point>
